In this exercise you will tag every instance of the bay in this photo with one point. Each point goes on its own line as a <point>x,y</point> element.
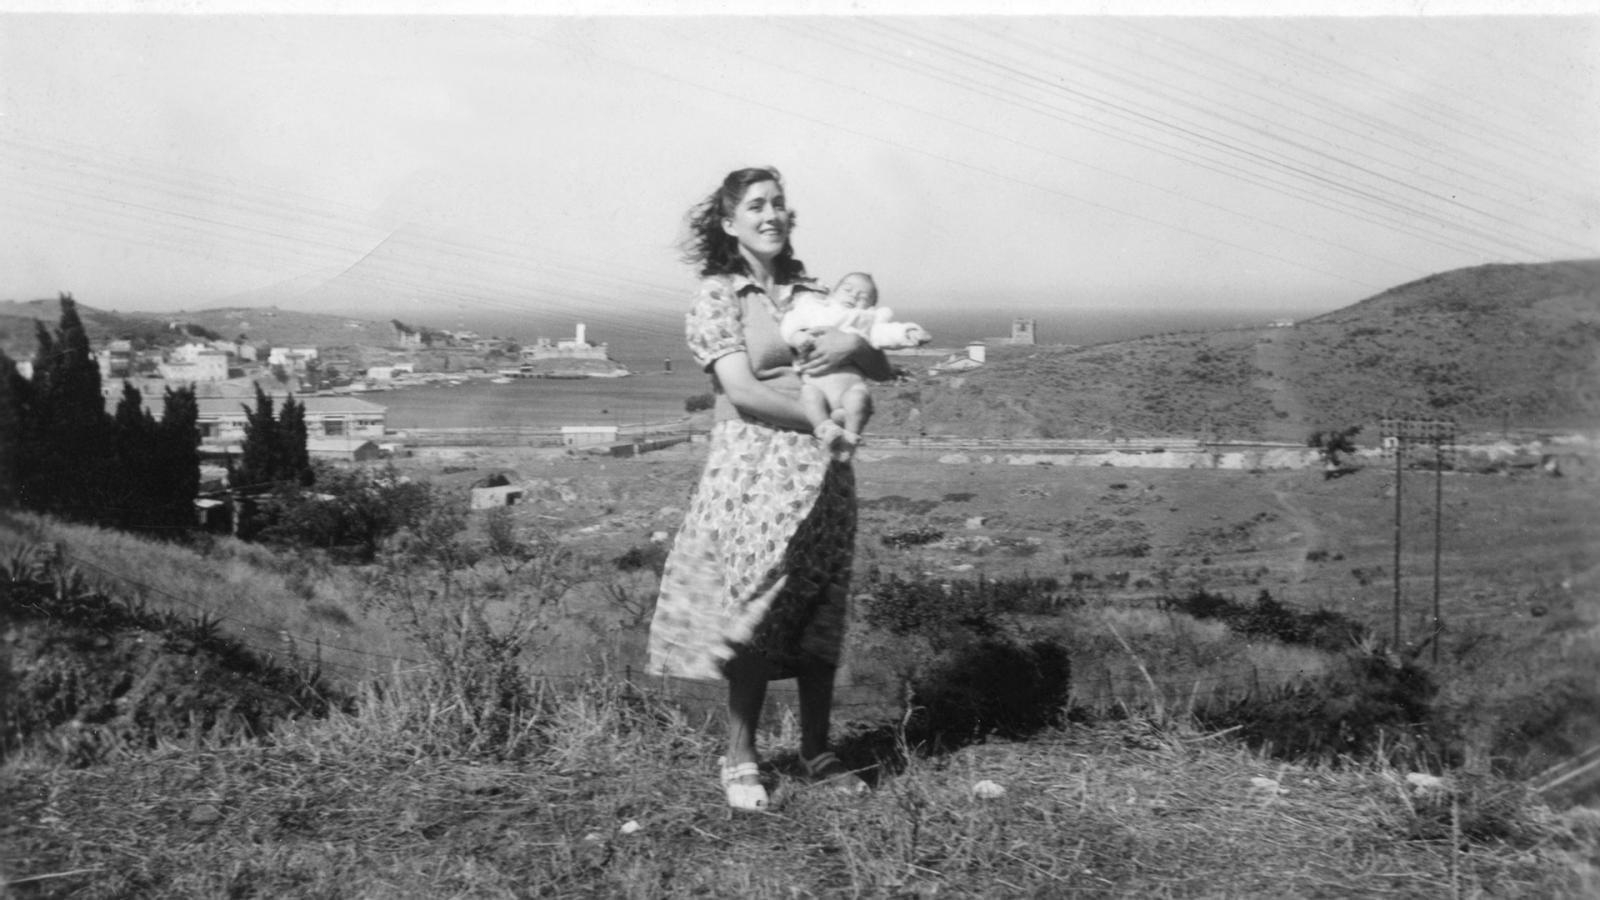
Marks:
<point>640,399</point>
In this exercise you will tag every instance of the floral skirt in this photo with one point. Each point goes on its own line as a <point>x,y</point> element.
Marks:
<point>761,564</point>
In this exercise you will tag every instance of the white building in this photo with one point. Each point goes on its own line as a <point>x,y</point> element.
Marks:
<point>291,358</point>
<point>578,347</point>
<point>585,435</point>
<point>221,420</point>
<point>195,364</point>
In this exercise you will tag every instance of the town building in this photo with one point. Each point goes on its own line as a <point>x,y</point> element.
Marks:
<point>977,354</point>
<point>221,419</point>
<point>585,435</point>
<point>194,363</point>
<point>116,360</point>
<point>405,336</point>
<point>293,359</point>
<point>344,449</point>
<point>578,347</point>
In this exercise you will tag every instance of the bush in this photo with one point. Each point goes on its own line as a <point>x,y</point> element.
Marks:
<point>698,403</point>
<point>965,671</point>
<point>914,537</point>
<point>1373,705</point>
<point>994,686</point>
<point>350,512</point>
<point>1269,618</point>
<point>650,556</point>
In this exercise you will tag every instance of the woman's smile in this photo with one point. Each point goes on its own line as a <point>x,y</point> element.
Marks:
<point>760,222</point>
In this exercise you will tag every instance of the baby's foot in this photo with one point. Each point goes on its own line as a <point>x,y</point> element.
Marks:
<point>830,433</point>
<point>845,449</point>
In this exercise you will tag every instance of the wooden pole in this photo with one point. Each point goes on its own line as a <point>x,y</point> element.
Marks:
<point>1438,536</point>
<point>1399,459</point>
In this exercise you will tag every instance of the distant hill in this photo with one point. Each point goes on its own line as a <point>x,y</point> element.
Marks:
<point>258,325</point>
<point>18,330</point>
<point>1493,346</point>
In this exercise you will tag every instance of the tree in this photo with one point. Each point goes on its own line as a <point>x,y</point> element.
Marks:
<point>69,452</point>
<point>1333,444</point>
<point>295,458</point>
<point>258,456</point>
<point>178,457</point>
<point>274,450</point>
<point>10,430</point>
<point>129,498</point>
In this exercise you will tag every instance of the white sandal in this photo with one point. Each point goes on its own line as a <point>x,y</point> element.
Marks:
<point>742,784</point>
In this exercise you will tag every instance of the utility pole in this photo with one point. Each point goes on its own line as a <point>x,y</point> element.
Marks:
<point>1397,431</point>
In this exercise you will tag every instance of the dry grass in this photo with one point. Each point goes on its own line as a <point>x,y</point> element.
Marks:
<point>278,604</point>
<point>372,806</point>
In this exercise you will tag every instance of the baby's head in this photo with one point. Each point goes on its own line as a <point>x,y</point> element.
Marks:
<point>857,291</point>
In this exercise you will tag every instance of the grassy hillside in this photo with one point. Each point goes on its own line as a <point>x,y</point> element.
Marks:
<point>615,796</point>
<point>511,763</point>
<point>1493,346</point>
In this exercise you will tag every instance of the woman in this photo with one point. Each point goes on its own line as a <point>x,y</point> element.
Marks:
<point>755,587</point>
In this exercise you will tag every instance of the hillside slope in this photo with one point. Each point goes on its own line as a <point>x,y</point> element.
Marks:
<point>1493,346</point>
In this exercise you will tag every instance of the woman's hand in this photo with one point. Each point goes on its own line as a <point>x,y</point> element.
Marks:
<point>833,349</point>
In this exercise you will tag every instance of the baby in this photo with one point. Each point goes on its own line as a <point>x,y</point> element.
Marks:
<point>838,403</point>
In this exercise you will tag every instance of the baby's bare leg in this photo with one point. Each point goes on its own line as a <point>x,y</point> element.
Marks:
<point>857,406</point>
<point>814,401</point>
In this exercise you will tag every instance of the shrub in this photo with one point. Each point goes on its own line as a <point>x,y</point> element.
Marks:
<point>650,556</point>
<point>914,537</point>
<point>1269,618</point>
<point>994,686</point>
<point>1373,705</point>
<point>350,512</point>
<point>698,403</point>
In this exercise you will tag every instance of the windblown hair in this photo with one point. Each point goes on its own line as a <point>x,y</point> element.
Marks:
<point>715,251</point>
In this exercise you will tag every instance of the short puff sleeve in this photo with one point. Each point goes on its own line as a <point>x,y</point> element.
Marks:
<point>714,326</point>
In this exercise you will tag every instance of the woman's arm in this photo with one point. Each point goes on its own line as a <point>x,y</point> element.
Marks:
<point>835,348</point>
<point>753,398</point>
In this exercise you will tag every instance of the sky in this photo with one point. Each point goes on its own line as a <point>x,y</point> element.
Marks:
<point>445,162</point>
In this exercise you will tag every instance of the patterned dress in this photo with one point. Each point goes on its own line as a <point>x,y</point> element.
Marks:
<point>761,563</point>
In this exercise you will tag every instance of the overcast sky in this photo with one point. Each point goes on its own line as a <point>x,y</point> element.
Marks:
<point>483,163</point>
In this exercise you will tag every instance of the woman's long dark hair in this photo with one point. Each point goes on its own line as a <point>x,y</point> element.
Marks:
<point>715,251</point>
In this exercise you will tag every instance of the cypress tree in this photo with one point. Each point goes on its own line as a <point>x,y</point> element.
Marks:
<point>292,438</point>
<point>131,495</point>
<point>258,456</point>
<point>11,431</point>
<point>178,457</point>
<point>69,470</point>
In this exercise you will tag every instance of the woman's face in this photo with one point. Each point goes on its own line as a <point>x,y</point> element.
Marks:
<point>760,222</point>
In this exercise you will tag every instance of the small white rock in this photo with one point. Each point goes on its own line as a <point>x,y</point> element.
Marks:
<point>1423,783</point>
<point>593,836</point>
<point>1267,785</point>
<point>988,790</point>
<point>629,827</point>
